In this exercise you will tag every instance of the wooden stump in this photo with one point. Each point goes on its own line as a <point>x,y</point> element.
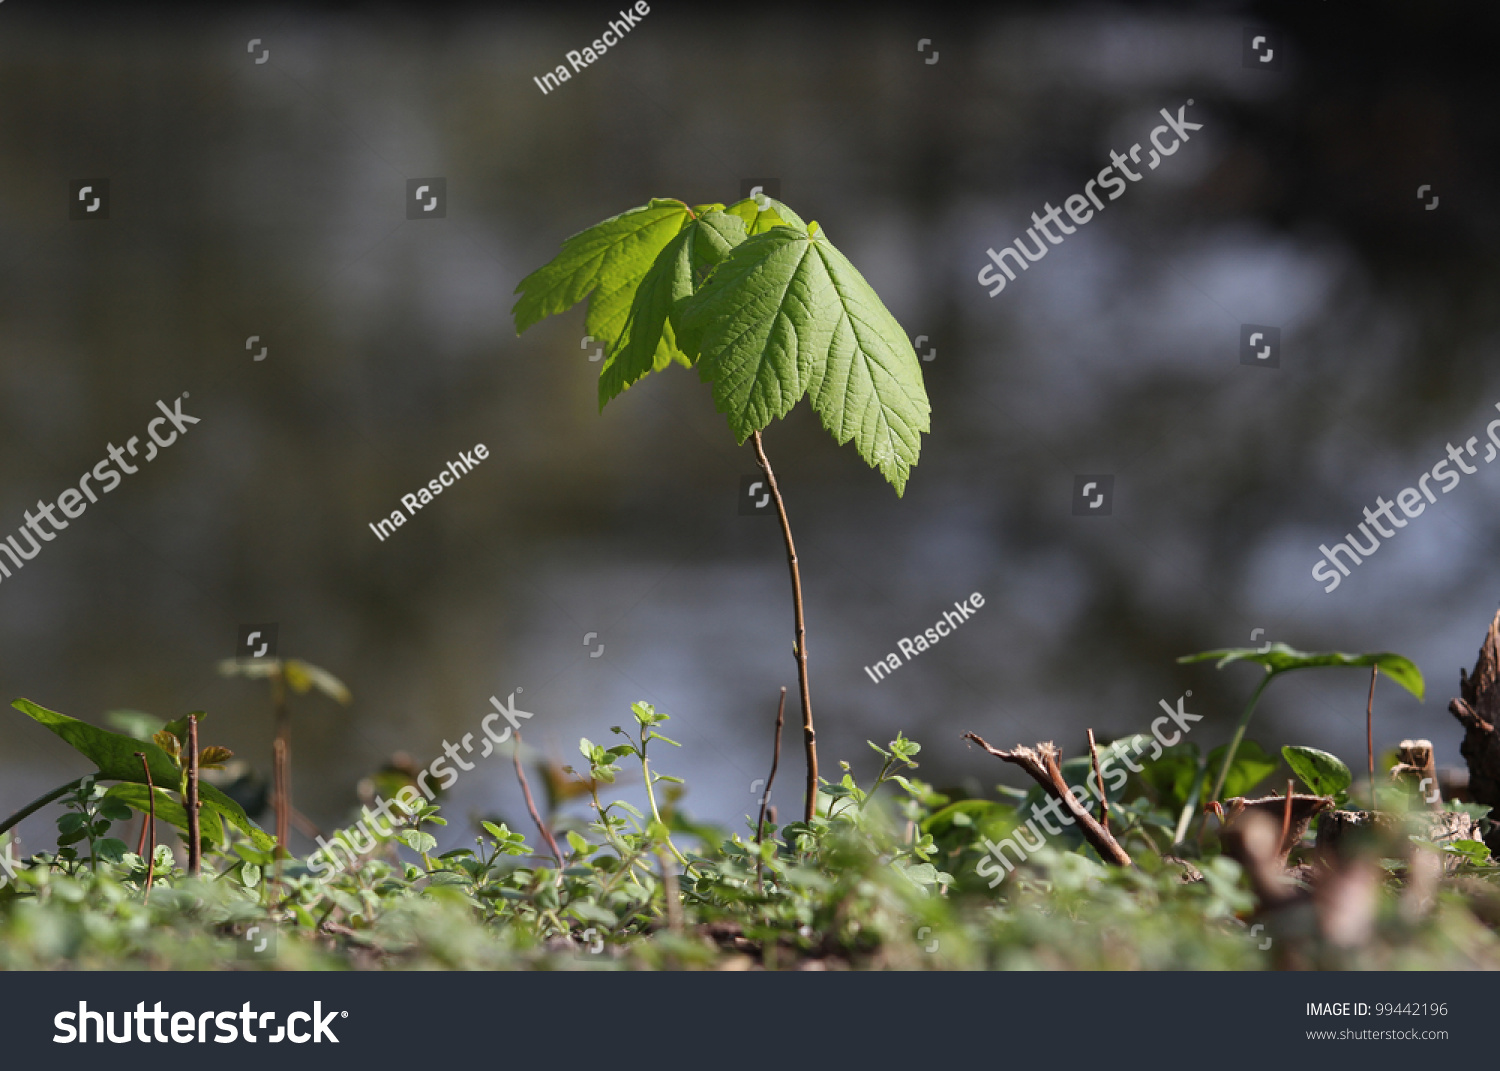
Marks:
<point>1478,710</point>
<point>1342,833</point>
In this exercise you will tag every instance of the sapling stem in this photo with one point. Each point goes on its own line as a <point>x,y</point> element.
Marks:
<point>531,806</point>
<point>150,824</point>
<point>281,765</point>
<point>651,796</point>
<point>1099,781</point>
<point>1370,734</point>
<point>1239,734</point>
<point>809,736</point>
<point>765,797</point>
<point>195,845</point>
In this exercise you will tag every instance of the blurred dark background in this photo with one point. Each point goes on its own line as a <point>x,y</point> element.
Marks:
<point>268,199</point>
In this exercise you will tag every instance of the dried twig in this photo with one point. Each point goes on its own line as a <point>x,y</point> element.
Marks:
<point>531,805</point>
<point>150,823</point>
<point>1286,814</point>
<point>1041,764</point>
<point>760,821</point>
<point>1099,781</point>
<point>809,737</point>
<point>195,845</point>
<point>281,766</point>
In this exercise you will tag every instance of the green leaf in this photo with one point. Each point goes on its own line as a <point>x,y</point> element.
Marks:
<point>763,213</point>
<point>648,342</point>
<point>1473,852</point>
<point>111,849</point>
<point>922,874</point>
<point>113,810</point>
<point>785,315</point>
<point>1324,774</point>
<point>302,676</point>
<point>213,801</point>
<point>136,723</point>
<point>605,263</point>
<point>178,727</point>
<point>1251,766</point>
<point>417,840</point>
<point>1281,659</point>
<point>961,820</point>
<point>588,911</point>
<point>214,808</point>
<point>1171,776</point>
<point>112,753</point>
<point>168,809</point>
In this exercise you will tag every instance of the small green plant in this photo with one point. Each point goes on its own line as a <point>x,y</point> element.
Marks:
<point>1276,659</point>
<point>301,677</point>
<point>768,311</point>
<point>1323,774</point>
<point>148,774</point>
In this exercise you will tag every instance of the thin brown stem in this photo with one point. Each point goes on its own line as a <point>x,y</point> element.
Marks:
<point>809,736</point>
<point>1099,783</point>
<point>1041,764</point>
<point>531,804</point>
<point>1370,734</point>
<point>150,824</point>
<point>1286,816</point>
<point>281,766</point>
<point>195,843</point>
<point>760,821</point>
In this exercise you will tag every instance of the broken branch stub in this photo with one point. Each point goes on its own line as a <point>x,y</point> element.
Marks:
<point>1040,763</point>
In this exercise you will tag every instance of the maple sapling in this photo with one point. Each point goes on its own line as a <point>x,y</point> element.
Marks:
<point>767,310</point>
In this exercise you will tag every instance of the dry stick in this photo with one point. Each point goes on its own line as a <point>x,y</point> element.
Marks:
<point>281,766</point>
<point>195,846</point>
<point>1370,733</point>
<point>760,822</point>
<point>1041,763</point>
<point>809,737</point>
<point>531,804</point>
<point>149,824</point>
<point>1286,817</point>
<point>1099,782</point>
